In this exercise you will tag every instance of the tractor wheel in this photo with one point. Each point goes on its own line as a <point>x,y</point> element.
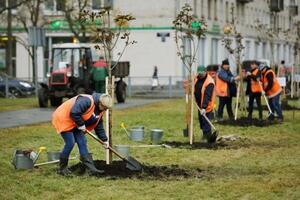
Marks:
<point>43,98</point>
<point>80,90</point>
<point>121,91</point>
<point>55,101</point>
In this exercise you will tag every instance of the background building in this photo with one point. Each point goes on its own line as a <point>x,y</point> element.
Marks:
<point>153,31</point>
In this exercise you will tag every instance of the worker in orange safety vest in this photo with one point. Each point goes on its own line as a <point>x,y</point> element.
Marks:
<point>272,89</point>
<point>71,120</point>
<point>254,89</point>
<point>205,98</point>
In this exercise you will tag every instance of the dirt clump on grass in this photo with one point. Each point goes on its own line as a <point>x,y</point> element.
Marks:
<point>154,172</point>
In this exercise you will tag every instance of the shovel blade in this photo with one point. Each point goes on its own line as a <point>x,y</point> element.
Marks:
<point>133,164</point>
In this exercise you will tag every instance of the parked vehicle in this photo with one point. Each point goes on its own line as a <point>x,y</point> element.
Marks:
<point>70,74</point>
<point>16,87</point>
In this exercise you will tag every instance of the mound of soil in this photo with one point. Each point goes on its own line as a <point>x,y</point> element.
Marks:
<point>118,170</point>
<point>244,121</point>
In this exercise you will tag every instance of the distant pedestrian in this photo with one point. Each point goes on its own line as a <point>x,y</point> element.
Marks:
<point>99,72</point>
<point>225,89</point>
<point>155,82</point>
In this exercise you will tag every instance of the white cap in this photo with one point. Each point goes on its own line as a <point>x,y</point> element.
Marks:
<point>106,100</point>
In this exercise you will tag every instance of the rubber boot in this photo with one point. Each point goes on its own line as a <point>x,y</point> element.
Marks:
<point>89,165</point>
<point>63,167</point>
<point>212,137</point>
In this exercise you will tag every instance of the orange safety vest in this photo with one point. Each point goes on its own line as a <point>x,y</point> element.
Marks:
<point>221,87</point>
<point>207,81</point>
<point>255,87</point>
<point>276,88</point>
<point>61,118</point>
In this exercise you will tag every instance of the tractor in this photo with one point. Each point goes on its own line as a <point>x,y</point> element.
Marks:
<point>69,74</point>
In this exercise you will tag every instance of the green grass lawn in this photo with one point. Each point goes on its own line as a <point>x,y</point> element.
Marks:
<point>10,104</point>
<point>263,166</point>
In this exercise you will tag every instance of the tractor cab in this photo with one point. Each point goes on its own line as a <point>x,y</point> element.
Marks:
<point>70,66</point>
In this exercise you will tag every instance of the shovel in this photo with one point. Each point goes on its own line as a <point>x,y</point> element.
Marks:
<point>267,102</point>
<point>132,163</point>
<point>216,132</point>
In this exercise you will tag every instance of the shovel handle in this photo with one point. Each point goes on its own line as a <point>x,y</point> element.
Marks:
<point>267,102</point>
<point>206,118</point>
<point>101,142</point>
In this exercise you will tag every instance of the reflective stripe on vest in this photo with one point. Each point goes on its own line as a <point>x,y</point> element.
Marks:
<point>221,87</point>
<point>211,102</point>
<point>276,88</point>
<point>255,87</point>
<point>61,118</point>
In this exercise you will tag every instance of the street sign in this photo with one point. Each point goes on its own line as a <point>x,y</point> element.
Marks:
<point>36,36</point>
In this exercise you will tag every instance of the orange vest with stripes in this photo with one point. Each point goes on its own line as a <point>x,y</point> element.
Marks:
<point>255,87</point>
<point>211,103</point>
<point>221,87</point>
<point>276,88</point>
<point>61,118</point>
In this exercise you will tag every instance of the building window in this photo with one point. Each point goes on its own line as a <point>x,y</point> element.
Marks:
<point>214,51</point>
<point>96,4</point>
<point>49,5</point>
<point>227,11</point>
<point>215,10</point>
<point>201,53</point>
<point>264,50</point>
<point>60,5</point>
<point>2,3</point>
<point>209,9</point>
<point>202,8</point>
<point>247,50</point>
<point>256,49</point>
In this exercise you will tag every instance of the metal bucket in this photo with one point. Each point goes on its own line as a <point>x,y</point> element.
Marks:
<point>53,155</point>
<point>123,150</point>
<point>136,134</point>
<point>156,135</point>
<point>21,159</point>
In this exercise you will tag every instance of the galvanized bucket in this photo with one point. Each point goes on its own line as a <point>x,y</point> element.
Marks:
<point>53,155</point>
<point>124,150</point>
<point>21,159</point>
<point>156,136</point>
<point>137,134</point>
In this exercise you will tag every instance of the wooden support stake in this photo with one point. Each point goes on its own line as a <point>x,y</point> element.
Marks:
<point>107,153</point>
<point>237,101</point>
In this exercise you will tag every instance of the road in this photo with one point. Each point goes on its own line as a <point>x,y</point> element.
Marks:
<point>37,115</point>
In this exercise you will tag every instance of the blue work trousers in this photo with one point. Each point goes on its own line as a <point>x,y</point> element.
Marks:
<point>204,125</point>
<point>72,137</point>
<point>275,106</point>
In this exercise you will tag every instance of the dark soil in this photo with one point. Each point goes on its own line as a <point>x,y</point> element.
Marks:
<point>247,122</point>
<point>118,170</point>
<point>214,146</point>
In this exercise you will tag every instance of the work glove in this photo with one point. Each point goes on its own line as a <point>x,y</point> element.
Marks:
<point>105,145</point>
<point>82,128</point>
<point>248,73</point>
<point>263,93</point>
<point>202,111</point>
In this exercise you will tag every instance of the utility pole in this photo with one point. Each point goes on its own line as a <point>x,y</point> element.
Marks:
<point>9,45</point>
